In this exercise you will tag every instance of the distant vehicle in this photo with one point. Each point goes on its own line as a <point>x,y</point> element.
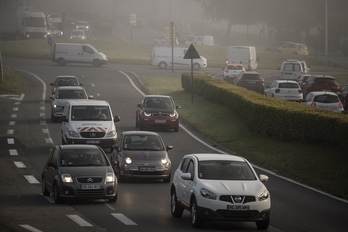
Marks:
<point>78,34</point>
<point>162,57</point>
<point>200,39</point>
<point>157,111</point>
<point>65,80</point>
<point>62,95</point>
<point>289,48</point>
<point>252,81</point>
<point>64,53</point>
<point>219,187</point>
<point>291,69</point>
<point>34,24</point>
<point>244,55</point>
<point>54,24</point>
<point>82,25</point>
<point>233,71</point>
<point>320,83</point>
<point>324,100</point>
<point>79,172</point>
<point>130,162</point>
<point>285,89</point>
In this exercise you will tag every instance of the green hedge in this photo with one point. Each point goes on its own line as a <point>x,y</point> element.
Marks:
<point>288,121</point>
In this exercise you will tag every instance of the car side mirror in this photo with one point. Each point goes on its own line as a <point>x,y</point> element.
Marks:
<point>139,105</point>
<point>51,97</point>
<point>263,178</point>
<point>90,97</point>
<point>81,84</point>
<point>51,164</point>
<point>64,118</point>
<point>169,147</point>
<point>178,107</point>
<point>117,118</point>
<point>51,84</point>
<point>186,176</point>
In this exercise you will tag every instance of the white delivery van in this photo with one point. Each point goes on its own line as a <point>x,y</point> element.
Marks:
<point>87,121</point>
<point>244,55</point>
<point>64,53</point>
<point>162,57</point>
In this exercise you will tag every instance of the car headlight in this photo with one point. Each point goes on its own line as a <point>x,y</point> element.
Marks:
<point>66,178</point>
<point>110,177</point>
<point>128,160</point>
<point>208,194</point>
<point>164,161</point>
<point>263,196</point>
<point>73,133</point>
<point>147,114</point>
<point>111,134</point>
<point>172,114</point>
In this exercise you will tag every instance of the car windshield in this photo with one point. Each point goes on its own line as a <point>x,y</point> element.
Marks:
<point>326,99</point>
<point>90,113</point>
<point>82,157</point>
<point>143,142</point>
<point>71,94</point>
<point>225,170</point>
<point>158,103</point>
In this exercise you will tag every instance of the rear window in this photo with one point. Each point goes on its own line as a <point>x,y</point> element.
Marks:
<point>326,80</point>
<point>288,85</point>
<point>326,99</point>
<point>234,67</point>
<point>251,77</point>
<point>292,67</point>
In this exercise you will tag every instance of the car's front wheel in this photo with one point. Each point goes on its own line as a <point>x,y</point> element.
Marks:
<point>196,220</point>
<point>176,209</point>
<point>262,225</point>
<point>61,62</point>
<point>97,63</point>
<point>45,192</point>
<point>56,196</point>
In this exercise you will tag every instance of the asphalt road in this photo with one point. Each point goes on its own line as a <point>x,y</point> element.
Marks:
<point>26,134</point>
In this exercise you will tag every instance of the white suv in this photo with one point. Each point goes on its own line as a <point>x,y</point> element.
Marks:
<point>220,187</point>
<point>291,69</point>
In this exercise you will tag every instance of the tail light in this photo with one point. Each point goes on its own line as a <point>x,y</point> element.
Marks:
<point>340,105</point>
<point>300,90</point>
<point>313,104</point>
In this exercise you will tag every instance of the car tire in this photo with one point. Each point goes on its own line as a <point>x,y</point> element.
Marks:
<point>196,220</point>
<point>175,208</point>
<point>113,199</point>
<point>45,192</point>
<point>63,142</point>
<point>262,225</point>
<point>119,177</point>
<point>162,65</point>
<point>56,196</point>
<point>96,63</point>
<point>61,62</point>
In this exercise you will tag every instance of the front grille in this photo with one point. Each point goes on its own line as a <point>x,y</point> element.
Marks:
<point>237,214</point>
<point>89,179</point>
<point>92,134</point>
<point>160,114</point>
<point>90,192</point>
<point>229,198</point>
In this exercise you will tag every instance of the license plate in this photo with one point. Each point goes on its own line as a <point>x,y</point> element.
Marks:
<point>93,141</point>
<point>90,186</point>
<point>160,121</point>
<point>147,169</point>
<point>238,207</point>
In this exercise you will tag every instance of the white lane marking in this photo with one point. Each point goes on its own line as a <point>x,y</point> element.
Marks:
<point>42,115</point>
<point>17,103</point>
<point>79,220</point>
<point>13,115</point>
<point>110,207</point>
<point>124,219</point>
<point>19,164</point>
<point>49,140</point>
<point>42,108</point>
<point>12,123</point>
<point>10,132</point>
<point>30,228</point>
<point>43,123</point>
<point>45,131</point>
<point>10,141</point>
<point>92,85</point>
<point>31,179</point>
<point>13,152</point>
<point>15,109</point>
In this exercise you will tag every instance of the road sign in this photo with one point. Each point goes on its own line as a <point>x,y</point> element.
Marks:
<point>192,53</point>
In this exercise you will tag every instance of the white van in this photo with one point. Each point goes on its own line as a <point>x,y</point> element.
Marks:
<point>64,53</point>
<point>244,55</point>
<point>89,122</point>
<point>162,57</point>
<point>291,70</point>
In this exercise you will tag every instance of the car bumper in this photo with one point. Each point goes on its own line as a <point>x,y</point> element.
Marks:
<point>106,191</point>
<point>104,143</point>
<point>158,123</point>
<point>158,173</point>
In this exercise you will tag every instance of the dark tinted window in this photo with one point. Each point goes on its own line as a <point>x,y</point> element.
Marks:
<point>323,79</point>
<point>251,77</point>
<point>288,85</point>
<point>326,99</point>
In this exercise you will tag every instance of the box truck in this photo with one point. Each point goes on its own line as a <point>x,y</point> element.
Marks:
<point>244,55</point>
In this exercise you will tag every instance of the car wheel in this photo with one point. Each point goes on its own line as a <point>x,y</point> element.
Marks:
<point>196,220</point>
<point>63,142</point>
<point>120,178</point>
<point>113,199</point>
<point>61,62</point>
<point>45,192</point>
<point>96,63</point>
<point>175,208</point>
<point>262,225</point>
<point>56,196</point>
<point>162,65</point>
<point>196,66</point>
<point>136,123</point>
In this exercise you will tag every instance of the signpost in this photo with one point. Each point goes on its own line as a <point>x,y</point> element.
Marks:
<point>192,54</point>
<point>50,42</point>
<point>132,23</point>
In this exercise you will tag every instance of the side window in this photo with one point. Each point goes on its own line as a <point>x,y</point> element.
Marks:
<point>191,168</point>
<point>87,49</point>
<point>184,165</point>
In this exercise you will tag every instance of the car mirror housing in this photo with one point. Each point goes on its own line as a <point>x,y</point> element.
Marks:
<point>117,118</point>
<point>186,176</point>
<point>263,178</point>
<point>169,147</point>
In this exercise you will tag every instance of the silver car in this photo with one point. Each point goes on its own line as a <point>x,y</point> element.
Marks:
<point>141,154</point>
<point>80,172</point>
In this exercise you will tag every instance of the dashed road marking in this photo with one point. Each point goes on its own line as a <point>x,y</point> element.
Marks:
<point>10,132</point>
<point>12,123</point>
<point>49,140</point>
<point>13,115</point>
<point>124,219</point>
<point>30,228</point>
<point>31,179</point>
<point>10,141</point>
<point>79,220</point>
<point>13,152</point>
<point>15,109</point>
<point>19,164</point>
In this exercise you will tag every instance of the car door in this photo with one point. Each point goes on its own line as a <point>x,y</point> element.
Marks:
<point>50,171</point>
<point>87,54</point>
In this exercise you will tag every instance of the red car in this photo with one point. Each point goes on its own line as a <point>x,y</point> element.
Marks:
<point>320,83</point>
<point>157,111</point>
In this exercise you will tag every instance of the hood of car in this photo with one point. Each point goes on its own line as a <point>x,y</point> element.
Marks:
<point>144,155</point>
<point>60,102</point>
<point>228,187</point>
<point>86,171</point>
